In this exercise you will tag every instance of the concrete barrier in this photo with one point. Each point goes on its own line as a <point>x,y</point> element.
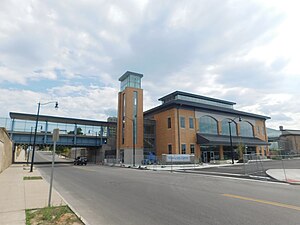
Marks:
<point>5,149</point>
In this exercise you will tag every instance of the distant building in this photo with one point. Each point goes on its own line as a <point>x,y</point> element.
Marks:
<point>184,123</point>
<point>284,140</point>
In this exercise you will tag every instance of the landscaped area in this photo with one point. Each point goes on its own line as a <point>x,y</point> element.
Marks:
<point>52,215</point>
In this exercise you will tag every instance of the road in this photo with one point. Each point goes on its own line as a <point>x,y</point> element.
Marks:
<point>114,196</point>
<point>46,156</point>
<point>255,168</point>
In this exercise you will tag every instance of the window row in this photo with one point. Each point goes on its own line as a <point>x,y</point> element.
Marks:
<point>182,122</point>
<point>209,125</point>
<point>183,149</point>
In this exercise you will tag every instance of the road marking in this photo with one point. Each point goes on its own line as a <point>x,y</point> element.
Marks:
<point>264,202</point>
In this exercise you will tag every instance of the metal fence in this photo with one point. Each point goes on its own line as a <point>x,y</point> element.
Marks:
<point>155,162</point>
<point>257,165</point>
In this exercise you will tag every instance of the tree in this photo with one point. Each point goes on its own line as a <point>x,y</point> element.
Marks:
<point>79,131</point>
<point>241,150</point>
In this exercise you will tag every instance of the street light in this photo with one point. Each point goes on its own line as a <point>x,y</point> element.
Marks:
<point>231,147</point>
<point>29,148</point>
<point>35,131</point>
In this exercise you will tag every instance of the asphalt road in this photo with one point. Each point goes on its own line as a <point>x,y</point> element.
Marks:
<point>46,156</point>
<point>114,196</point>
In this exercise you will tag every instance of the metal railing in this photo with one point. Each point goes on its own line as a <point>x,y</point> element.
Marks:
<point>258,165</point>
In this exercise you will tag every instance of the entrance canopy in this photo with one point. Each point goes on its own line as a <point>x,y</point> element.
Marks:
<point>210,139</point>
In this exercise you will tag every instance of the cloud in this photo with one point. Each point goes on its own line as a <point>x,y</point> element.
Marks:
<point>76,51</point>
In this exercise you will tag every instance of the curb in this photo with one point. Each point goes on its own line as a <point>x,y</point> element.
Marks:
<point>285,181</point>
<point>249,177</point>
<point>70,206</point>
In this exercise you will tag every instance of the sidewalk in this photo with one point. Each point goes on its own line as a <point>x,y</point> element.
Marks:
<point>291,176</point>
<point>17,194</point>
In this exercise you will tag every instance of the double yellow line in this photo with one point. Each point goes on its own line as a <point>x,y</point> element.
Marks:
<point>263,201</point>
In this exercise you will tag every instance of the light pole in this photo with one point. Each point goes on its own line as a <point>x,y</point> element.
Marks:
<point>28,152</point>
<point>230,136</point>
<point>35,130</point>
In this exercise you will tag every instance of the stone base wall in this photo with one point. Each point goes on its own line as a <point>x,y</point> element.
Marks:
<point>5,150</point>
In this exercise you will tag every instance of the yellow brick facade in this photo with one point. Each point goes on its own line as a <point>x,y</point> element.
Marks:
<point>170,136</point>
<point>128,95</point>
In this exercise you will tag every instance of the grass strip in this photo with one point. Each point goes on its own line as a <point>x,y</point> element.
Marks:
<point>32,178</point>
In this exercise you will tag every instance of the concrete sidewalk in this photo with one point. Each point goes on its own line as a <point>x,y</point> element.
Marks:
<point>291,176</point>
<point>17,194</point>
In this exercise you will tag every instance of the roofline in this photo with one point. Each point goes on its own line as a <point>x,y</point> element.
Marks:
<point>56,119</point>
<point>196,96</point>
<point>127,73</point>
<point>182,103</point>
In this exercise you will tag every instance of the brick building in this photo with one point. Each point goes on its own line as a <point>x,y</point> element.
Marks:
<point>184,123</point>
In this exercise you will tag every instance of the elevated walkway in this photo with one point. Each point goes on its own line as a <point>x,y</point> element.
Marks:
<point>73,132</point>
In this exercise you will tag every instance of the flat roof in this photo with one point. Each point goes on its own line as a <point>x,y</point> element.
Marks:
<point>56,119</point>
<point>194,105</point>
<point>127,73</point>
<point>175,93</point>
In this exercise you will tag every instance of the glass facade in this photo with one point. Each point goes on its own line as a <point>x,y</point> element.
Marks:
<point>246,129</point>
<point>203,101</point>
<point>225,127</point>
<point>131,81</point>
<point>135,108</point>
<point>208,125</point>
<point>64,128</point>
<point>5,122</point>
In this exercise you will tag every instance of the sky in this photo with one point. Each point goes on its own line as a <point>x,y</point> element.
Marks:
<point>74,51</point>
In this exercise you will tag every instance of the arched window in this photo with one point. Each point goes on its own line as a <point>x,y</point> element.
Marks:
<point>246,129</point>
<point>208,125</point>
<point>225,127</point>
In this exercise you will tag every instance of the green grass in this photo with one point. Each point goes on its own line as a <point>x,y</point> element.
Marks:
<point>51,215</point>
<point>32,178</point>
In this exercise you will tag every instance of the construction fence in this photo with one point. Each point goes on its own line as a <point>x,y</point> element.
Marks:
<point>257,165</point>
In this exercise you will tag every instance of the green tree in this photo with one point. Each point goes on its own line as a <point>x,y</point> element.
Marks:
<point>79,131</point>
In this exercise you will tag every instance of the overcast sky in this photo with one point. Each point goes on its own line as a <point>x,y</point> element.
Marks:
<point>74,52</point>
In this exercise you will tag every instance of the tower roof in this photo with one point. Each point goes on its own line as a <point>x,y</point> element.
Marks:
<point>127,73</point>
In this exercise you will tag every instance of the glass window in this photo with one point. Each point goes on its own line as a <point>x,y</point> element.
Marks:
<point>182,122</point>
<point>246,129</point>
<point>183,149</point>
<point>192,148</point>
<point>203,101</point>
<point>208,125</point>
<point>225,127</point>
<point>169,149</point>
<point>169,122</point>
<point>191,123</point>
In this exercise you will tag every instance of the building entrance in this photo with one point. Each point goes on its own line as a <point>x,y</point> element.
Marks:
<point>208,156</point>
